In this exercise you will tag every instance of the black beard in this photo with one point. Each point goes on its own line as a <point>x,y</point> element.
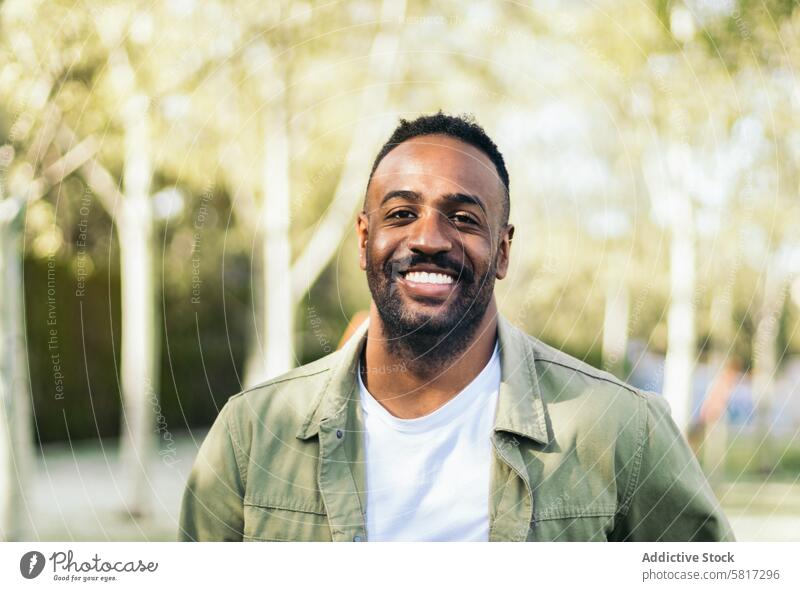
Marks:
<point>432,341</point>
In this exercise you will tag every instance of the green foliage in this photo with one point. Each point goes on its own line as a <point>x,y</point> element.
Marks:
<point>202,350</point>
<point>577,95</point>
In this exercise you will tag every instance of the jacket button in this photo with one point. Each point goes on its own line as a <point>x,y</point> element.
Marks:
<point>339,434</point>
<point>356,538</point>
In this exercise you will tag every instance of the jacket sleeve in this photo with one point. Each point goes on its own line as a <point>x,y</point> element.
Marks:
<point>212,507</point>
<point>671,499</point>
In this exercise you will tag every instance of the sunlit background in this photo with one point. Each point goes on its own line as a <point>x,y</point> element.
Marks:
<point>179,181</point>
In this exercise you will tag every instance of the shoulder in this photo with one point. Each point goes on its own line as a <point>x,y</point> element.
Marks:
<point>557,366</point>
<point>310,372</point>
<point>588,397</point>
<point>283,402</point>
<point>597,413</point>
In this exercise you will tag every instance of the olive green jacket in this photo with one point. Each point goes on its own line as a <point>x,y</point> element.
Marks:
<point>579,455</point>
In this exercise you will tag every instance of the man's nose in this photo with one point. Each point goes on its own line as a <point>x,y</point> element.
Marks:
<point>430,233</point>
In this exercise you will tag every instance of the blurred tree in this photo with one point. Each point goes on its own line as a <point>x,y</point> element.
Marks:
<point>281,296</point>
<point>16,454</point>
<point>28,170</point>
<point>22,154</point>
<point>756,176</point>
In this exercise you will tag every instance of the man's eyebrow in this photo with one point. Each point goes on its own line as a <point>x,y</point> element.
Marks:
<point>401,194</point>
<point>466,199</point>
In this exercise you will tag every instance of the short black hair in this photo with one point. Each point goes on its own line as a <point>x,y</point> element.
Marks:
<point>461,127</point>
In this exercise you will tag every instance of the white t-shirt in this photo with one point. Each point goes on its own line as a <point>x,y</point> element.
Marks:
<point>428,478</point>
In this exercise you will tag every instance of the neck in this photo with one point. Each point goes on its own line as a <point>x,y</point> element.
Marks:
<point>410,385</point>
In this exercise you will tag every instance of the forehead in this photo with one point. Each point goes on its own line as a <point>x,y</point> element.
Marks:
<point>434,165</point>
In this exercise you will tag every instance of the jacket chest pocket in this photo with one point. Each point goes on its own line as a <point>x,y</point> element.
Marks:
<point>578,527</point>
<point>263,523</point>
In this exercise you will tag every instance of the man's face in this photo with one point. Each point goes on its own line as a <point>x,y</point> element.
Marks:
<point>432,239</point>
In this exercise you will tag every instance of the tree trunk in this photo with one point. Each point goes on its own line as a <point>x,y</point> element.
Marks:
<point>765,362</point>
<point>365,142</point>
<point>725,373</point>
<point>140,342</point>
<point>276,255</point>
<point>271,350</point>
<point>615,325</point>
<point>679,363</point>
<point>283,285</point>
<point>16,450</point>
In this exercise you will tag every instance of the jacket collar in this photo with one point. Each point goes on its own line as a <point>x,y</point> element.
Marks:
<point>520,409</point>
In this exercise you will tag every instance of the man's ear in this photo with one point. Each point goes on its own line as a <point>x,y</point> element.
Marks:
<point>362,230</point>
<point>504,251</point>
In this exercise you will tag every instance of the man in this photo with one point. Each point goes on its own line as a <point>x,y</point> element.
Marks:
<point>439,420</point>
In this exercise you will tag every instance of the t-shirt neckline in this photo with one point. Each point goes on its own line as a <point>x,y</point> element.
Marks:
<point>484,383</point>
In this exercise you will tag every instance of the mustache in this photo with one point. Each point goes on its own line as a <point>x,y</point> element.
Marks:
<point>395,267</point>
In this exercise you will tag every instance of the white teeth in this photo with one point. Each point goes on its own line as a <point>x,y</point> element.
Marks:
<point>424,277</point>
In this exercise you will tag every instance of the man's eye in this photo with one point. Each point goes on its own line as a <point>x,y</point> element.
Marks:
<point>462,218</point>
<point>401,214</point>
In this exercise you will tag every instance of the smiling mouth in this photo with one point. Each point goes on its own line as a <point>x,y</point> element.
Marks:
<point>427,286</point>
<point>424,277</point>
